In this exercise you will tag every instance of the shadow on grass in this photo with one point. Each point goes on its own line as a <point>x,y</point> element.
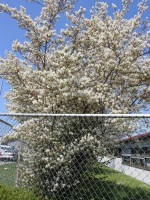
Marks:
<point>98,183</point>
<point>103,183</point>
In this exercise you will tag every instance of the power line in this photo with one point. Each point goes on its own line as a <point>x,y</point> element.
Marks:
<point>1,120</point>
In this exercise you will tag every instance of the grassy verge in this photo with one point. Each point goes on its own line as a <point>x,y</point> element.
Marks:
<point>8,191</point>
<point>8,174</point>
<point>103,183</point>
<point>99,183</point>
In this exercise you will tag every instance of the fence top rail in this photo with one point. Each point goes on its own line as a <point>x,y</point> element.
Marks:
<point>77,115</point>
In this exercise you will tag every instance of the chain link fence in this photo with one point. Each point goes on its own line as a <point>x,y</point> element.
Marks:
<point>73,157</point>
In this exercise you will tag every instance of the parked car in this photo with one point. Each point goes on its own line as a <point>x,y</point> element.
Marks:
<point>8,153</point>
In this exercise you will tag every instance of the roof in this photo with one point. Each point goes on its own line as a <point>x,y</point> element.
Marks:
<point>134,137</point>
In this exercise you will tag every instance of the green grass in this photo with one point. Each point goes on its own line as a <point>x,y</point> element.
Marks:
<point>12,193</point>
<point>103,183</point>
<point>99,183</point>
<point>8,191</point>
<point>8,174</point>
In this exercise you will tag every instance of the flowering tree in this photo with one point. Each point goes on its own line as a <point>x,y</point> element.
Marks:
<point>95,65</point>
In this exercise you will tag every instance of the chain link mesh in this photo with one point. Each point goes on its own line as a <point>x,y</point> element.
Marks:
<point>77,157</point>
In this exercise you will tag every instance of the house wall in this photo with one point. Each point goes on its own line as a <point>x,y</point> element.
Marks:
<point>126,150</point>
<point>139,144</point>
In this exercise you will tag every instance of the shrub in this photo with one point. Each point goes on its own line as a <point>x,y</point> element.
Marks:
<point>7,193</point>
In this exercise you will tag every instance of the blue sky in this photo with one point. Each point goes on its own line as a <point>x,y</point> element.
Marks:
<point>9,30</point>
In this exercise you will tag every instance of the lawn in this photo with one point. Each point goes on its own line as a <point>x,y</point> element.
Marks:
<point>8,191</point>
<point>103,183</point>
<point>8,174</point>
<point>99,183</point>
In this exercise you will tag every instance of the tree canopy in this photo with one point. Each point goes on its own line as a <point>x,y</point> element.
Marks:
<point>95,65</point>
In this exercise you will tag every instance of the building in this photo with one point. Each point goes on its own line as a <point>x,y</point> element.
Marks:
<point>135,150</point>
